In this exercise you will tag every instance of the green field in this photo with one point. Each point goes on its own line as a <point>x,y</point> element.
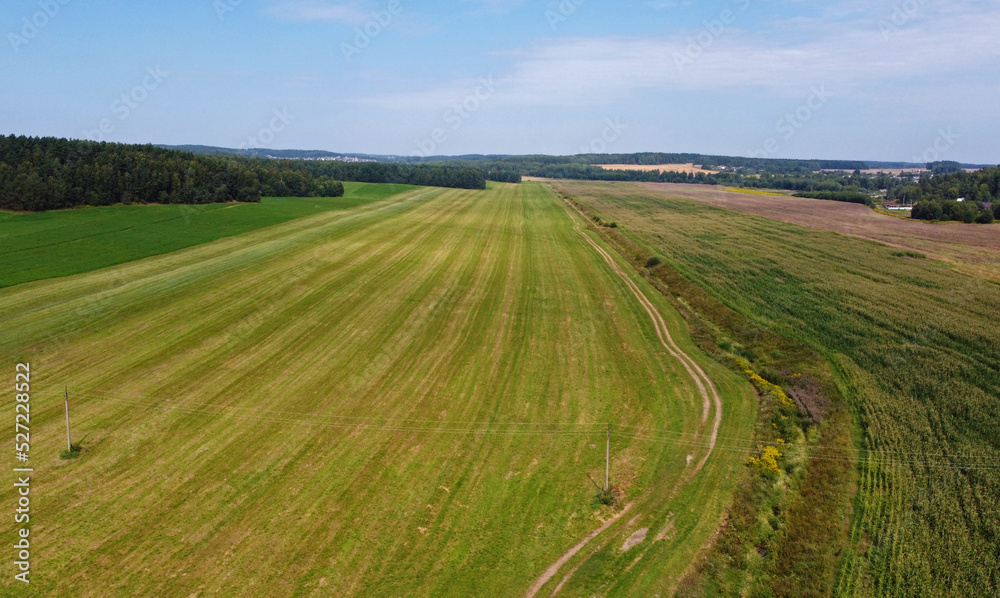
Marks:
<point>917,350</point>
<point>43,245</point>
<point>406,397</point>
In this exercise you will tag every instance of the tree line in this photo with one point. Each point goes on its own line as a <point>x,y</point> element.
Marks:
<point>50,173</point>
<point>430,175</point>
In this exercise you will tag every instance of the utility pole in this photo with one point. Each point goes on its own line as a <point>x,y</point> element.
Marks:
<point>69,443</point>
<point>607,462</point>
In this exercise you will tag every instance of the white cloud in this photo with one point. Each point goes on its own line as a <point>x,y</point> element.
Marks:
<point>941,47</point>
<point>317,10</point>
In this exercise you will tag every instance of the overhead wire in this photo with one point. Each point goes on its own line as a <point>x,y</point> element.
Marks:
<point>694,440</point>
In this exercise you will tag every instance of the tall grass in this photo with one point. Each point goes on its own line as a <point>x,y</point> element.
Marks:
<point>918,351</point>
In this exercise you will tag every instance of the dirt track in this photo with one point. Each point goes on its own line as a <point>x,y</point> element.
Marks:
<point>707,390</point>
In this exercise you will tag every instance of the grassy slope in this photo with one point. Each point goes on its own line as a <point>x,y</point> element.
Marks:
<point>404,398</point>
<point>50,244</point>
<point>916,342</point>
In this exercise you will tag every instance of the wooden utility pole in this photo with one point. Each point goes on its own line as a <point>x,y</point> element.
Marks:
<point>607,461</point>
<point>69,442</point>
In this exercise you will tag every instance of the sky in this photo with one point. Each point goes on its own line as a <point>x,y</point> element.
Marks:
<point>893,80</point>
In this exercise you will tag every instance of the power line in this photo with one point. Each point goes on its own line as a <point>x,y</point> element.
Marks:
<point>659,434</point>
<point>571,429</point>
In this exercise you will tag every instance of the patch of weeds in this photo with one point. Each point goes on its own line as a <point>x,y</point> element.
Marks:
<point>914,254</point>
<point>73,453</point>
<point>608,497</point>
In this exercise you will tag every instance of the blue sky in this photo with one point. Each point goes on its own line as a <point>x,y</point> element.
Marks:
<point>877,79</point>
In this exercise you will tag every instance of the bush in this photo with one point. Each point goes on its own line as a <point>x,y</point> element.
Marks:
<point>986,217</point>
<point>927,210</point>
<point>653,262</point>
<point>772,375</point>
<point>609,497</point>
<point>913,254</point>
<point>74,453</point>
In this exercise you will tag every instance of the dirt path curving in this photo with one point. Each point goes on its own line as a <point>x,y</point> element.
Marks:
<point>709,394</point>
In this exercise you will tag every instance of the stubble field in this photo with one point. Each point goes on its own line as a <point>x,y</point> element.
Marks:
<point>407,397</point>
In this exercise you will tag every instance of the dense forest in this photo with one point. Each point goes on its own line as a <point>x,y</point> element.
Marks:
<point>48,173</point>
<point>431,175</point>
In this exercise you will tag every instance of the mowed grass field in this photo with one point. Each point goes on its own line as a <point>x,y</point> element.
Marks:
<point>44,245</point>
<point>917,347</point>
<point>407,397</point>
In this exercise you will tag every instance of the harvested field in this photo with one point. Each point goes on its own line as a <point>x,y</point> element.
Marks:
<point>403,398</point>
<point>688,168</point>
<point>974,249</point>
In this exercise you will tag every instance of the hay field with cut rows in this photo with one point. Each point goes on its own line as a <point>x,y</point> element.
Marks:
<point>406,397</point>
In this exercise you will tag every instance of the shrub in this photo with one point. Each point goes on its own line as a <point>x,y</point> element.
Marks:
<point>608,497</point>
<point>768,460</point>
<point>653,262</point>
<point>772,375</point>
<point>73,453</point>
